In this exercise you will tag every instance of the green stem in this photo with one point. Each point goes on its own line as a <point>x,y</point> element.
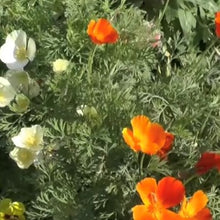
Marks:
<point>189,179</point>
<point>163,12</point>
<point>90,64</point>
<point>142,164</point>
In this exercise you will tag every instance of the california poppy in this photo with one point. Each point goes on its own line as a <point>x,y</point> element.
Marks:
<point>148,137</point>
<point>217,24</point>
<point>207,162</point>
<point>102,32</point>
<point>157,198</point>
<point>195,208</point>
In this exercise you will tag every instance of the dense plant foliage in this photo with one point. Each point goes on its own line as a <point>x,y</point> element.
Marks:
<point>85,169</point>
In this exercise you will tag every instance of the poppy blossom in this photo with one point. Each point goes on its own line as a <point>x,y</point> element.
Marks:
<point>148,137</point>
<point>195,208</point>
<point>17,50</point>
<point>217,24</point>
<point>207,162</point>
<point>102,32</point>
<point>157,198</point>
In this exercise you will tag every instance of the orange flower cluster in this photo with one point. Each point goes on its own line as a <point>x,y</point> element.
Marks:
<point>102,32</point>
<point>217,24</point>
<point>207,162</point>
<point>148,137</point>
<point>168,193</point>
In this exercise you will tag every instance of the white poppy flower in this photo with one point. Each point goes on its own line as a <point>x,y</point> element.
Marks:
<point>60,65</point>
<point>30,138</point>
<point>7,92</point>
<point>17,51</point>
<point>23,157</point>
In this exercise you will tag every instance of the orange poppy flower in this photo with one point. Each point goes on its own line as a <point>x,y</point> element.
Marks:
<point>217,24</point>
<point>150,138</point>
<point>157,198</point>
<point>207,162</point>
<point>195,208</point>
<point>102,32</point>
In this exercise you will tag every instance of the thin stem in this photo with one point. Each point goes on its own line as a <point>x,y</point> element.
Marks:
<point>90,64</point>
<point>163,12</point>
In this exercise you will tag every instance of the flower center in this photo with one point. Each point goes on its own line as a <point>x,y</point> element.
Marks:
<point>31,141</point>
<point>21,54</point>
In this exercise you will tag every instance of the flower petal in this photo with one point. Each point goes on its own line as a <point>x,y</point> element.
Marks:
<point>207,162</point>
<point>21,38</point>
<point>139,126</point>
<point>23,157</point>
<point>167,145</point>
<point>130,140</point>
<point>31,49</point>
<point>194,205</point>
<point>217,24</point>
<point>104,31</point>
<point>169,215</point>
<point>140,212</point>
<point>204,214</point>
<point>17,65</point>
<point>7,52</point>
<point>170,192</point>
<point>146,188</point>
<point>154,139</point>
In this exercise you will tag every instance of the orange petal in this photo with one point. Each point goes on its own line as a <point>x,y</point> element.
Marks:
<point>194,205</point>
<point>91,27</point>
<point>169,215</point>
<point>146,188</point>
<point>170,192</point>
<point>139,126</point>
<point>204,214</point>
<point>207,162</point>
<point>217,17</point>
<point>167,145</point>
<point>155,139</point>
<point>104,31</point>
<point>130,140</point>
<point>140,212</point>
<point>217,24</point>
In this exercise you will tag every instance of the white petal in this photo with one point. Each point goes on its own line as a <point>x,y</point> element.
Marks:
<point>31,49</point>
<point>18,142</point>
<point>4,82</point>
<point>17,65</point>
<point>7,92</point>
<point>7,53</point>
<point>19,37</point>
<point>23,157</point>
